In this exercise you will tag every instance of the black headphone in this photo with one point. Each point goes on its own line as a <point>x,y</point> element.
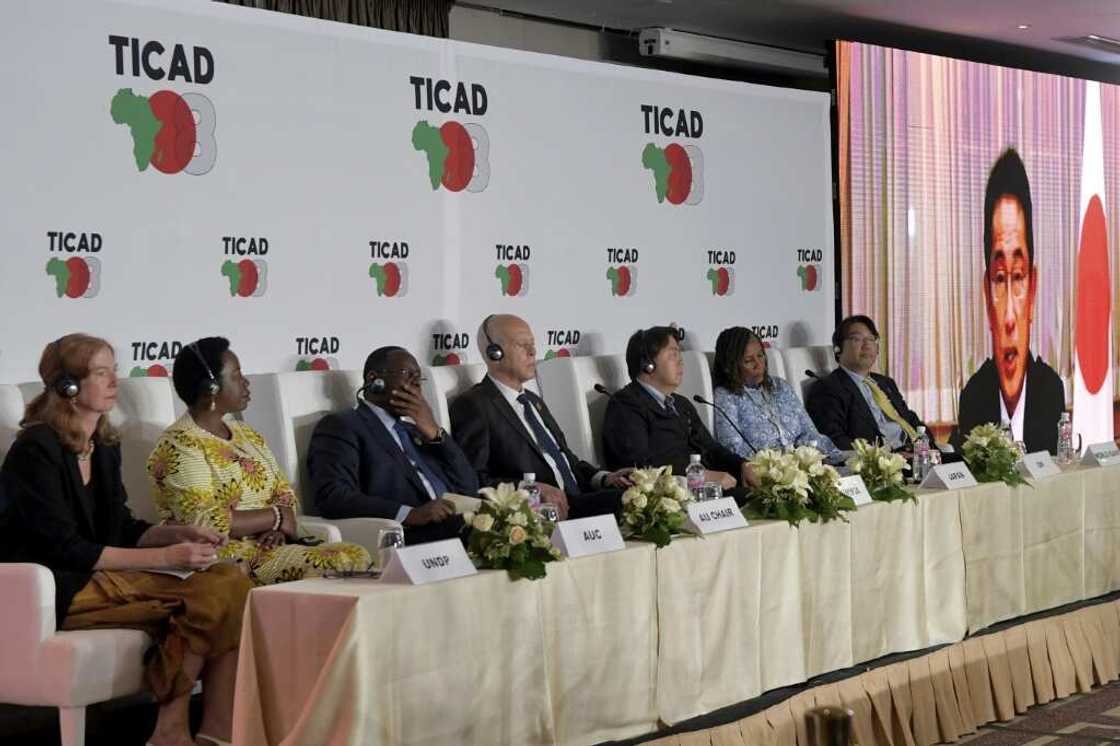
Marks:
<point>647,363</point>
<point>211,386</point>
<point>376,386</point>
<point>65,385</point>
<point>494,350</point>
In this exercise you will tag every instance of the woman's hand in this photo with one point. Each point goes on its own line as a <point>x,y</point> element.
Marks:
<point>270,540</point>
<point>289,526</point>
<point>190,554</point>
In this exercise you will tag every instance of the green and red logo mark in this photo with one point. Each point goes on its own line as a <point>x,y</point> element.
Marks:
<point>247,278</point>
<point>809,268</point>
<point>678,172</point>
<point>722,280</point>
<point>155,370</point>
<point>450,348</point>
<point>317,363</point>
<point>171,131</point>
<point>75,277</point>
<point>391,278</point>
<point>513,279</point>
<point>451,358</point>
<point>564,342</point>
<point>624,280</point>
<point>458,154</point>
<point>562,352</point>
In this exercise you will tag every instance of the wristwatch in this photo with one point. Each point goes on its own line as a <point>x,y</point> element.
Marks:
<point>440,435</point>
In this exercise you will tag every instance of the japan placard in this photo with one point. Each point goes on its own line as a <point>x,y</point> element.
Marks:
<point>586,536</point>
<point>949,477</point>
<point>428,563</point>
<point>713,516</point>
<point>854,487</point>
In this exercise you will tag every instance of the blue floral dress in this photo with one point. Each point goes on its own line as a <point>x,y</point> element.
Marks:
<point>770,419</point>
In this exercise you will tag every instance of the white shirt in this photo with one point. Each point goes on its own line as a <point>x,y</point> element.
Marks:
<point>390,424</point>
<point>1015,418</point>
<point>510,395</point>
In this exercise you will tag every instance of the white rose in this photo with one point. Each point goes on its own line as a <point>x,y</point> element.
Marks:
<point>517,535</point>
<point>517,519</point>
<point>630,495</point>
<point>641,502</point>
<point>483,522</point>
<point>669,505</point>
<point>856,466</point>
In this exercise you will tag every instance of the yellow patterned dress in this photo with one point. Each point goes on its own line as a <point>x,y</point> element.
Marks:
<point>200,478</point>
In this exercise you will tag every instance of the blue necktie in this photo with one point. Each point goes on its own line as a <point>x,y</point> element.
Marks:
<point>548,445</point>
<point>414,455</point>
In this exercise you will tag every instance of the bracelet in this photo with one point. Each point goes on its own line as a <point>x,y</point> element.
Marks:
<point>279,518</point>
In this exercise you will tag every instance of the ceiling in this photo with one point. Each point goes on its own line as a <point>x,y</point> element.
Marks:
<point>987,30</point>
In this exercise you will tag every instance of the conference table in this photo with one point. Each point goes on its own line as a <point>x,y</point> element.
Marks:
<point>606,647</point>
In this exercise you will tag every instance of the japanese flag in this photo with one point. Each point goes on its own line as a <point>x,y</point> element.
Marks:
<point>1092,335</point>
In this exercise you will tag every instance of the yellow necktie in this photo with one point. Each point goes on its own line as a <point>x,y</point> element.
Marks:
<point>888,408</point>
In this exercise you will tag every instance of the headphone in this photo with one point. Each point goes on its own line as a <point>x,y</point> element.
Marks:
<point>65,385</point>
<point>647,364</point>
<point>494,350</point>
<point>376,386</point>
<point>211,386</point>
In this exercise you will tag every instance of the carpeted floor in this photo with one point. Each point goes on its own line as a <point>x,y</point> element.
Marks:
<point>1077,721</point>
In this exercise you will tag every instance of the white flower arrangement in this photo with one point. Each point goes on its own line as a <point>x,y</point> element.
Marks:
<point>795,485</point>
<point>881,471</point>
<point>507,534</point>
<point>653,508</point>
<point>991,456</point>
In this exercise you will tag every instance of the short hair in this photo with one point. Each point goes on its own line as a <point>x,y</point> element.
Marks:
<point>730,346</point>
<point>845,326</point>
<point>189,373</point>
<point>644,344</point>
<point>1008,178</point>
<point>379,358</point>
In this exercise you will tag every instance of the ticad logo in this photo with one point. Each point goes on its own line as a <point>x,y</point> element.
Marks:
<point>317,353</point>
<point>152,359</point>
<point>390,277</point>
<point>809,268</point>
<point>562,343</point>
<point>678,170</point>
<point>450,348</point>
<point>721,272</point>
<point>247,278</point>
<point>76,276</point>
<point>622,272</point>
<point>458,153</point>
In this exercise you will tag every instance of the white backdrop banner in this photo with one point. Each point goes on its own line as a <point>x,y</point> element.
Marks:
<point>313,190</point>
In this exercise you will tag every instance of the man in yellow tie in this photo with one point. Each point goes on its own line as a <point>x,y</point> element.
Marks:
<point>852,402</point>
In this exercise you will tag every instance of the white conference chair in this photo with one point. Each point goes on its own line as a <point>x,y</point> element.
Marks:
<point>285,408</point>
<point>42,666</point>
<point>442,383</point>
<point>698,380</point>
<point>145,408</point>
<point>818,359</point>
<point>568,386</point>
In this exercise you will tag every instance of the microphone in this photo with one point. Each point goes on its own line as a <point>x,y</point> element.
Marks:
<point>603,390</point>
<point>701,400</point>
<point>811,374</point>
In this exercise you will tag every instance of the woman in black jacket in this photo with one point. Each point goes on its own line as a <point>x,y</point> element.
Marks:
<point>67,510</point>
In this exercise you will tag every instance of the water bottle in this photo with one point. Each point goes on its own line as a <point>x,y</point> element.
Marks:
<point>529,486</point>
<point>1065,440</point>
<point>694,475</point>
<point>921,461</point>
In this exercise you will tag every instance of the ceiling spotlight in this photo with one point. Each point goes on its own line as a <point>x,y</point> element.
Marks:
<point>1023,26</point>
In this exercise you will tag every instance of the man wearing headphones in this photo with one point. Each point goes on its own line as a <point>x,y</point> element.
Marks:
<point>368,461</point>
<point>852,402</point>
<point>507,431</point>
<point>648,424</point>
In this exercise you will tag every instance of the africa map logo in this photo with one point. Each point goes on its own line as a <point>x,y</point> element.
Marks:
<point>247,278</point>
<point>458,155</point>
<point>171,131</point>
<point>391,278</point>
<point>624,280</point>
<point>553,354</point>
<point>155,370</point>
<point>678,172</point>
<point>75,277</point>
<point>722,280</point>
<point>513,279</point>
<point>317,363</point>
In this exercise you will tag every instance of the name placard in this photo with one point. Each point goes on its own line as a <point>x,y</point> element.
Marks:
<point>713,516</point>
<point>1038,465</point>
<point>427,563</point>
<point>1101,454</point>
<point>854,487</point>
<point>949,477</point>
<point>586,536</point>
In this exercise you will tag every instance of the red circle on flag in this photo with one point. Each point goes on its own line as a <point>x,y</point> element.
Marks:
<point>1094,297</point>
<point>175,141</point>
<point>458,169</point>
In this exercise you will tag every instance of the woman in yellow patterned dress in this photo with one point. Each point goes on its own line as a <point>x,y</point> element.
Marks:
<point>215,472</point>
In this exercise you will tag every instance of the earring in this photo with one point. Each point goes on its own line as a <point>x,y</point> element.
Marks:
<point>213,404</point>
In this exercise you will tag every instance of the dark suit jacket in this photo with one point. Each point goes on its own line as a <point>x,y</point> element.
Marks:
<point>357,469</point>
<point>839,410</point>
<point>500,448</point>
<point>1046,400</point>
<point>638,431</point>
<point>53,520</point>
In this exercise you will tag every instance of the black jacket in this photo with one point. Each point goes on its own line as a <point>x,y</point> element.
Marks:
<point>53,520</point>
<point>839,410</point>
<point>1046,400</point>
<point>638,431</point>
<point>357,469</point>
<point>500,448</point>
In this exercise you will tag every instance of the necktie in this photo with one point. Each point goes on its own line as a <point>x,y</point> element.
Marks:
<point>548,445</point>
<point>669,406</point>
<point>414,455</point>
<point>884,403</point>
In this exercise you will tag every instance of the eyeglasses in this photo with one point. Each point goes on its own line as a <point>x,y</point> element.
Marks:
<point>405,374</point>
<point>862,339</point>
<point>1000,281</point>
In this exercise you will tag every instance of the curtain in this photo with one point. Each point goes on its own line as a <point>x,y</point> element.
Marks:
<point>426,17</point>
